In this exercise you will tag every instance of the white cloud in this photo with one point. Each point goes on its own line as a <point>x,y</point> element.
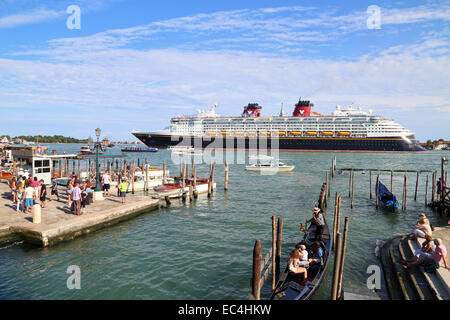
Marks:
<point>30,17</point>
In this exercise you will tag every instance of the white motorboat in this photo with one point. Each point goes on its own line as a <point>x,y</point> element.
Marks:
<point>268,164</point>
<point>189,150</point>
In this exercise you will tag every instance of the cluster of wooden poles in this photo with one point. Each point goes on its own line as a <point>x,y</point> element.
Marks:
<point>434,193</point>
<point>339,245</point>
<point>271,266</point>
<point>192,193</point>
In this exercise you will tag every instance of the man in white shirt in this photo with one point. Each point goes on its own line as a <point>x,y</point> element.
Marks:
<point>106,183</point>
<point>29,198</point>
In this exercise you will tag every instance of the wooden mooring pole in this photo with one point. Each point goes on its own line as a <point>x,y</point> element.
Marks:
<point>164,172</point>
<point>350,184</point>
<point>334,220</point>
<point>377,186</point>
<point>433,188</point>
<point>370,183</point>
<point>353,188</point>
<point>392,181</point>
<point>404,193</point>
<point>426,191</point>
<point>417,186</point>
<point>278,252</point>
<point>227,169</point>
<point>342,258</point>
<point>337,259</point>
<point>256,277</point>
<point>274,247</point>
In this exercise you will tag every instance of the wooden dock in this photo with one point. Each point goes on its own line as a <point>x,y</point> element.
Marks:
<point>57,222</point>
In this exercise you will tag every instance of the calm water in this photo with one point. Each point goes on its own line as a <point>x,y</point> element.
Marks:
<point>204,250</point>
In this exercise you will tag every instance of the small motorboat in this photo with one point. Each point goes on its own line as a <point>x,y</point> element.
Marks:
<point>139,149</point>
<point>268,164</point>
<point>386,198</point>
<point>86,151</point>
<point>188,150</point>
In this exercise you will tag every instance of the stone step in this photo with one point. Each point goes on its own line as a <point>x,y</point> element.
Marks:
<point>390,275</point>
<point>406,285</point>
<point>422,287</point>
<point>439,288</point>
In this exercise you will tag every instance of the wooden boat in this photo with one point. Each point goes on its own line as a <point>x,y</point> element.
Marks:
<point>6,175</point>
<point>176,190</point>
<point>385,197</point>
<point>293,287</point>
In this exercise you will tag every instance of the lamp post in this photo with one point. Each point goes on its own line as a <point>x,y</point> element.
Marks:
<point>97,147</point>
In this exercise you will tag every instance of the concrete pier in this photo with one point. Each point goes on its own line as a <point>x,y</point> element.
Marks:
<point>59,224</point>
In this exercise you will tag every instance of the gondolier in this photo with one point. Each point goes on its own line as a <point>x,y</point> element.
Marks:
<point>318,221</point>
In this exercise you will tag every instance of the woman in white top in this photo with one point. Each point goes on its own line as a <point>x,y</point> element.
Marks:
<point>293,259</point>
<point>423,227</point>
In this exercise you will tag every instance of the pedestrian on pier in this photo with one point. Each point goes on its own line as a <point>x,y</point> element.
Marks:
<point>106,184</point>
<point>54,191</point>
<point>76,199</point>
<point>19,193</point>
<point>30,195</point>
<point>42,193</point>
<point>123,187</point>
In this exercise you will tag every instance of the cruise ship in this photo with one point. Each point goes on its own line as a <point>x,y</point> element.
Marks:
<point>346,129</point>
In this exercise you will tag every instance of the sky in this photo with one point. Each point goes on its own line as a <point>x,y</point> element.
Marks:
<point>133,65</point>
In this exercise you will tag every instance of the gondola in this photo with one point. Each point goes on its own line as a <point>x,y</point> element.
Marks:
<point>386,198</point>
<point>293,287</point>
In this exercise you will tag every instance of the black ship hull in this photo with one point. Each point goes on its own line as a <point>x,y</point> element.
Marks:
<point>385,144</point>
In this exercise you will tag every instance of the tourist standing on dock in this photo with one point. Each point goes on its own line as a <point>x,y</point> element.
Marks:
<point>106,183</point>
<point>20,191</point>
<point>84,198</point>
<point>123,187</point>
<point>54,191</point>
<point>30,196</point>
<point>13,186</point>
<point>42,193</point>
<point>69,192</point>
<point>76,198</point>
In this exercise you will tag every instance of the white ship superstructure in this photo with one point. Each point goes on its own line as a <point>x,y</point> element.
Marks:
<point>349,129</point>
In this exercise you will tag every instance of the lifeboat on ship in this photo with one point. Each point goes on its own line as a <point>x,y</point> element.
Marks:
<point>343,133</point>
<point>327,133</point>
<point>311,133</point>
<point>296,133</point>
